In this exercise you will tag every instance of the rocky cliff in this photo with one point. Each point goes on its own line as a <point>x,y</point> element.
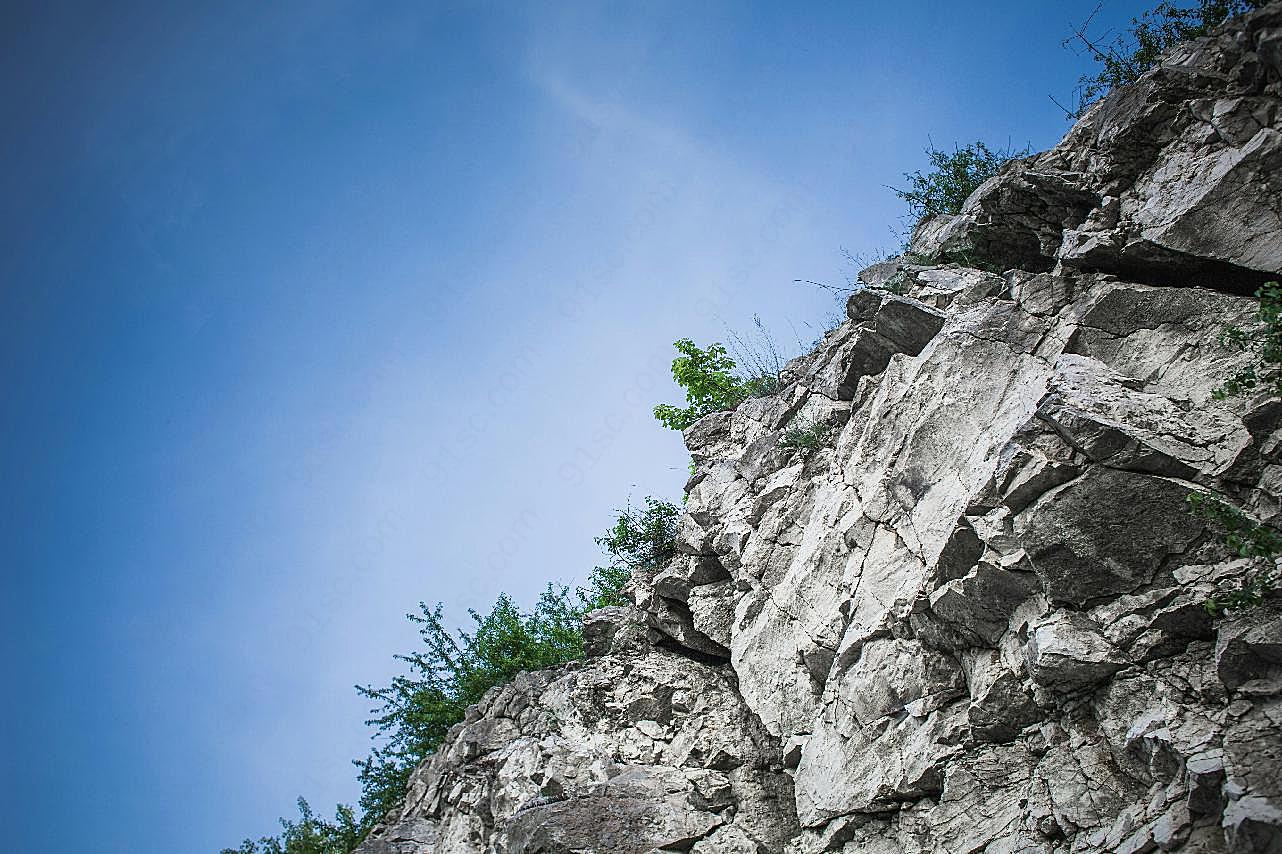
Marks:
<point>972,618</point>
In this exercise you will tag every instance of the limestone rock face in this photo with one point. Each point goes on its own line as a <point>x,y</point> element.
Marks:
<point>636,749</point>
<point>1175,177</point>
<point>972,620</point>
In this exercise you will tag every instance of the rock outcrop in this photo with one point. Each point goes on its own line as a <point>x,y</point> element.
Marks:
<point>638,749</point>
<point>973,620</point>
<point>1176,176</point>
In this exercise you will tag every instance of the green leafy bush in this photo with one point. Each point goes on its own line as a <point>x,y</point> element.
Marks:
<point>311,834</point>
<point>1139,48</point>
<point>449,674</point>
<point>1248,539</point>
<point>806,436</point>
<point>1264,342</point>
<point>451,671</point>
<point>952,178</point>
<point>645,536</point>
<point>710,384</point>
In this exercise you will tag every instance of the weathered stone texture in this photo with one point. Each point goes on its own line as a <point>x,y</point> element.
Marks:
<point>636,749</point>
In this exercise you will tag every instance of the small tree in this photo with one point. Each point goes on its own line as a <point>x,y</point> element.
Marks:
<point>605,587</point>
<point>311,834</point>
<point>707,379</point>
<point>453,670</point>
<point>451,673</point>
<point>640,537</point>
<point>952,178</point>
<point>644,536</point>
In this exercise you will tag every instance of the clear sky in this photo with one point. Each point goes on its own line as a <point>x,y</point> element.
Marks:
<point>309,311</point>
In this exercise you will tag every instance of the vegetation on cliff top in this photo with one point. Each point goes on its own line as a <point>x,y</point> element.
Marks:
<point>1122,58</point>
<point>953,176</point>
<point>310,834</point>
<point>710,384</point>
<point>452,671</point>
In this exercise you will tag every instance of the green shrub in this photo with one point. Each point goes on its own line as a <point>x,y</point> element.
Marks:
<point>640,537</point>
<point>643,537</point>
<point>710,384</point>
<point>1139,48</point>
<point>311,834</point>
<point>605,587</point>
<point>1248,539</point>
<point>952,178</point>
<point>451,671</point>
<point>1264,342</point>
<point>449,674</point>
<point>806,436</point>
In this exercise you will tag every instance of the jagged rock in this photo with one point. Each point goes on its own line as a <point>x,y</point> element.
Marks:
<point>881,326</point>
<point>617,629</point>
<point>1111,420</point>
<point>407,837</point>
<point>1105,533</point>
<point>712,611</point>
<point>634,813</point>
<point>631,750</point>
<point>1068,651</point>
<point>1172,179</point>
<point>1001,705</point>
<point>979,605</point>
<point>1250,648</point>
<point>1253,751</point>
<point>973,620</point>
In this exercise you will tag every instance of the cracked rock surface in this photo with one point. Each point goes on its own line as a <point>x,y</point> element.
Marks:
<point>972,620</point>
<point>635,749</point>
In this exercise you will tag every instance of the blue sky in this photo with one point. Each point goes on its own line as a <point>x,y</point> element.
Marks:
<point>309,311</point>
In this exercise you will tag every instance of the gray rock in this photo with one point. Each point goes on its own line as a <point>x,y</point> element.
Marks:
<point>979,605</point>
<point>882,325</point>
<point>1124,527</point>
<point>632,750</point>
<point>1067,651</point>
<point>1002,708</point>
<point>1249,647</point>
<point>615,629</point>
